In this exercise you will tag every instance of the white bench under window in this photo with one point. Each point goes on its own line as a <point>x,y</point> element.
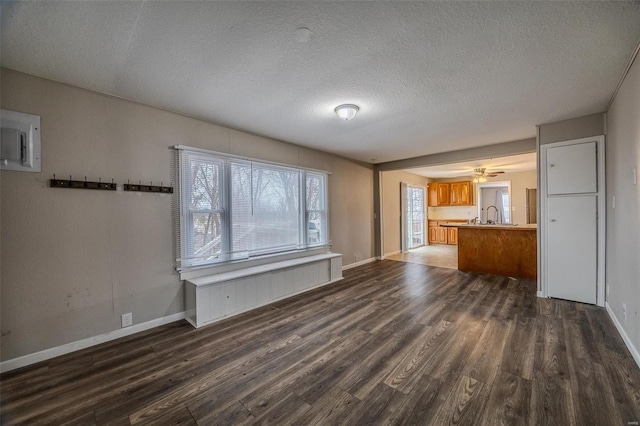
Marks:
<point>215,297</point>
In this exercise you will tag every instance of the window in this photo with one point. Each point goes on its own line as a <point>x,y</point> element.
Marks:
<point>234,209</point>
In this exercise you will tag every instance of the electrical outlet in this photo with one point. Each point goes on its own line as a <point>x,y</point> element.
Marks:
<point>624,311</point>
<point>127,320</point>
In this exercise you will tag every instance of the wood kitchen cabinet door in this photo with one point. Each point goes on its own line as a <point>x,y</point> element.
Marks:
<point>460,194</point>
<point>454,194</point>
<point>465,193</point>
<point>443,194</point>
<point>442,235</point>
<point>433,235</point>
<point>432,199</point>
<point>453,236</point>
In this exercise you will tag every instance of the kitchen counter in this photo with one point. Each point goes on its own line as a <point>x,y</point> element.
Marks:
<point>498,226</point>
<point>508,250</point>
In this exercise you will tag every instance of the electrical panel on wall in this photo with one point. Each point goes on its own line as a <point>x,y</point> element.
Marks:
<point>20,141</point>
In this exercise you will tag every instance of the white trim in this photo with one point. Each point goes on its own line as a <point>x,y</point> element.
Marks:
<point>240,157</point>
<point>360,263</point>
<point>634,351</point>
<point>602,222</point>
<point>46,354</point>
<point>602,210</point>
<point>621,80</point>
<point>541,293</point>
<point>392,253</point>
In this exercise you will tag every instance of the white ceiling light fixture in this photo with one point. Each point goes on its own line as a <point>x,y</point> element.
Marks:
<point>347,111</point>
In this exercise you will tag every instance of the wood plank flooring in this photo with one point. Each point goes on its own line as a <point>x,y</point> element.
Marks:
<point>394,343</point>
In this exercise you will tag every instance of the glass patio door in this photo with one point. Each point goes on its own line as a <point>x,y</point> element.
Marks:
<point>415,216</point>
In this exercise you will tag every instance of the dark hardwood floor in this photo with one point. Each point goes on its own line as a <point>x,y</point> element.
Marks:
<point>394,343</point>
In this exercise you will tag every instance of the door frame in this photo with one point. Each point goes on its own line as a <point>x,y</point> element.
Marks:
<point>600,215</point>
<point>404,204</point>
<point>494,184</point>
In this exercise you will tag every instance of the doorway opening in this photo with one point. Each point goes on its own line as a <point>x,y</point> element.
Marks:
<point>494,202</point>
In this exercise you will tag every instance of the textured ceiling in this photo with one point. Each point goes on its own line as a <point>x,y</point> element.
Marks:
<point>510,164</point>
<point>429,77</point>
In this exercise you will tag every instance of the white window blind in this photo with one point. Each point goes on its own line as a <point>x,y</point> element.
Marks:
<point>233,209</point>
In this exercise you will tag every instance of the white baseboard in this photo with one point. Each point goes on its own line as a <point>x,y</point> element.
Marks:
<point>634,351</point>
<point>360,263</point>
<point>540,293</point>
<point>46,354</point>
<point>392,253</point>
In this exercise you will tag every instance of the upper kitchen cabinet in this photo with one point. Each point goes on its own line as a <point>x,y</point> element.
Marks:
<point>439,194</point>
<point>450,194</point>
<point>461,194</point>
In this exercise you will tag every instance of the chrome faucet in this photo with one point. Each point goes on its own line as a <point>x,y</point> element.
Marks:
<point>495,217</point>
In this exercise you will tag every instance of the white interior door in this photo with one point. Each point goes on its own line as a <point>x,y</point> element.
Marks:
<point>572,222</point>
<point>572,255</point>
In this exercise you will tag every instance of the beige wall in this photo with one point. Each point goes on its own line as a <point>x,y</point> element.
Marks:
<point>574,128</point>
<point>73,260</point>
<point>391,215</point>
<point>623,222</point>
<point>520,181</point>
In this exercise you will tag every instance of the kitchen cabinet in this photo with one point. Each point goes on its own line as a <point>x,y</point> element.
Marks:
<point>433,232</point>
<point>450,194</point>
<point>439,194</point>
<point>452,236</point>
<point>442,235</point>
<point>444,190</point>
<point>460,194</point>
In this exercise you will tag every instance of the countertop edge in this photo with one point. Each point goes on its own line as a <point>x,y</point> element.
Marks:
<point>532,227</point>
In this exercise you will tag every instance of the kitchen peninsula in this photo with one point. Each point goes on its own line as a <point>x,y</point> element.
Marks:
<point>508,250</point>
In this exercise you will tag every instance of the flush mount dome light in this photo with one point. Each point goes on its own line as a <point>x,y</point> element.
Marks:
<point>347,111</point>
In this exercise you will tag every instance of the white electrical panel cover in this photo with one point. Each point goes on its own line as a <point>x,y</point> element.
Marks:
<point>20,141</point>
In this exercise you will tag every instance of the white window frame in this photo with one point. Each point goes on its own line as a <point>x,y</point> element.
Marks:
<point>308,212</point>
<point>185,236</point>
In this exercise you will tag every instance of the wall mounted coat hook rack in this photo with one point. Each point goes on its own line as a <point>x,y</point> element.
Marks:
<point>148,188</point>
<point>82,184</point>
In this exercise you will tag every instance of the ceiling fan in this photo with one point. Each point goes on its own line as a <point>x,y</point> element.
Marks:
<point>481,174</point>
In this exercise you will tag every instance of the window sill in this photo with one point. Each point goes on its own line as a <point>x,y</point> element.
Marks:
<point>255,270</point>
<point>241,266</point>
